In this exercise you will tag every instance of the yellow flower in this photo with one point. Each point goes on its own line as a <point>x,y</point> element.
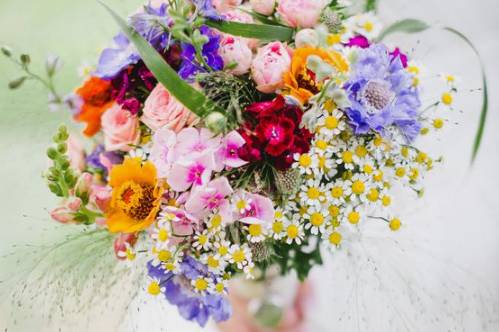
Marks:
<point>300,81</point>
<point>136,196</point>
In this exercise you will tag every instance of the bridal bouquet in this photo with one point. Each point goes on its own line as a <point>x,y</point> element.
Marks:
<point>229,137</point>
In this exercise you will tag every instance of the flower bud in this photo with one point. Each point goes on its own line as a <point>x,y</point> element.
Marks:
<point>6,51</point>
<point>52,65</point>
<point>307,37</point>
<point>216,122</point>
<point>83,184</point>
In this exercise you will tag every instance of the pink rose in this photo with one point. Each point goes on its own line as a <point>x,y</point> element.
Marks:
<point>239,16</point>
<point>76,153</point>
<point>236,51</point>
<point>269,66</point>
<point>264,7</point>
<point>66,214</point>
<point>161,109</point>
<point>121,129</point>
<point>224,5</point>
<point>301,13</point>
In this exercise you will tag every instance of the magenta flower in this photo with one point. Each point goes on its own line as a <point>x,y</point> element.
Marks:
<point>228,153</point>
<point>211,197</point>
<point>254,209</point>
<point>197,172</point>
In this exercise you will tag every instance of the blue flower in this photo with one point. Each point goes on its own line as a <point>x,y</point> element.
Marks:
<point>382,94</point>
<point>206,9</point>
<point>150,25</point>
<point>191,306</point>
<point>190,67</point>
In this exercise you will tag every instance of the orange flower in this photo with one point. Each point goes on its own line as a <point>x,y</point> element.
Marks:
<point>300,81</point>
<point>136,196</point>
<point>96,96</point>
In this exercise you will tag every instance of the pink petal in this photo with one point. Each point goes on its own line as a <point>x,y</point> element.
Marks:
<point>178,178</point>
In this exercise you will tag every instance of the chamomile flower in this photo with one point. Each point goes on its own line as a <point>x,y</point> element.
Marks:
<point>214,223</point>
<point>327,167</point>
<point>331,125</point>
<point>358,186</point>
<point>256,233</point>
<point>352,215</point>
<point>249,270</point>
<point>312,193</point>
<point>337,192</point>
<point>240,255</point>
<point>278,229</point>
<point>345,157</point>
<point>294,232</point>
<point>201,285</point>
<point>214,263</point>
<point>316,220</point>
<point>161,234</point>
<point>333,238</point>
<point>163,256</point>
<point>305,163</point>
<point>220,286</point>
<point>202,240</point>
<point>221,247</point>
<point>366,24</point>
<point>154,288</point>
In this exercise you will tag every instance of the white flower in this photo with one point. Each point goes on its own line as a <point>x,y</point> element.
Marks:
<point>240,255</point>
<point>294,232</point>
<point>202,240</point>
<point>331,125</point>
<point>312,193</point>
<point>316,220</point>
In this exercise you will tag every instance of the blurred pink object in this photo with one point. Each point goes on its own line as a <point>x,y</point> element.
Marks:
<point>269,66</point>
<point>264,7</point>
<point>84,183</point>
<point>301,13</point>
<point>236,51</point>
<point>224,5</point>
<point>76,153</point>
<point>122,243</point>
<point>162,110</point>
<point>65,214</point>
<point>121,129</point>
<point>100,196</point>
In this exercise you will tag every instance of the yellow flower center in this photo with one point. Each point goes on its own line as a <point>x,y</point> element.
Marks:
<point>203,239</point>
<point>212,262</point>
<point>447,98</point>
<point>438,123</point>
<point>277,227</point>
<point>164,255</point>
<point>358,187</point>
<point>292,231</point>
<point>361,151</point>
<point>278,214</point>
<point>216,221</point>
<point>386,200</point>
<point>335,238</point>
<point>320,144</point>
<point>317,219</point>
<point>334,211</point>
<point>347,157</point>
<point>162,235</point>
<point>400,172</point>
<point>200,284</point>
<point>238,256</point>
<point>395,224</point>
<point>219,287</point>
<point>303,210</point>
<point>222,250</point>
<point>368,169</point>
<point>135,200</point>
<point>305,160</point>
<point>368,26</point>
<point>373,195</point>
<point>313,193</point>
<point>354,217</point>
<point>255,229</point>
<point>154,288</point>
<point>337,192</point>
<point>331,122</point>
<point>333,39</point>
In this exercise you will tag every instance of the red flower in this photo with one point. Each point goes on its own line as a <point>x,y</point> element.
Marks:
<point>273,133</point>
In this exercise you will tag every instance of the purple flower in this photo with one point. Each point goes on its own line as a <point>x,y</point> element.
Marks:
<point>101,159</point>
<point>206,9</point>
<point>191,305</point>
<point>150,24</point>
<point>190,67</point>
<point>382,94</point>
<point>358,41</point>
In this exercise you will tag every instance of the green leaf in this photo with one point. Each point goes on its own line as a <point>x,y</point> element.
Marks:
<point>257,31</point>
<point>408,25</point>
<point>485,94</point>
<point>17,83</point>
<point>371,5</point>
<point>415,26</point>
<point>191,98</point>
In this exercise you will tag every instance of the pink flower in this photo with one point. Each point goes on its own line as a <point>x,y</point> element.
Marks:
<point>264,7</point>
<point>76,153</point>
<point>239,16</point>
<point>228,153</point>
<point>163,142</point>
<point>269,66</point>
<point>224,5</point>
<point>83,184</point>
<point>122,243</point>
<point>66,214</point>
<point>192,142</point>
<point>301,13</point>
<point>100,196</point>
<point>183,223</point>
<point>254,209</point>
<point>161,109</point>
<point>204,200</point>
<point>121,129</point>
<point>236,51</point>
<point>197,172</point>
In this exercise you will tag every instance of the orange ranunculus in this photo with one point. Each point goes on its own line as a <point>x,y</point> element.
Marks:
<point>96,96</point>
<point>300,81</point>
<point>136,196</point>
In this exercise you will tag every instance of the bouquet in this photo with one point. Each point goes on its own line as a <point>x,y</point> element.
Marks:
<point>230,138</point>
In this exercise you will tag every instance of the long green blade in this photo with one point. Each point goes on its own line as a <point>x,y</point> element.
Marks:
<point>257,31</point>
<point>485,94</point>
<point>194,100</point>
<point>415,26</point>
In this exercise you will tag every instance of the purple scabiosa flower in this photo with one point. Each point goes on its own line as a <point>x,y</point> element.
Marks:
<point>206,9</point>
<point>190,67</point>
<point>178,291</point>
<point>149,24</point>
<point>382,94</point>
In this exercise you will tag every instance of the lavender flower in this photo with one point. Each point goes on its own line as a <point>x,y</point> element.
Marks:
<point>382,94</point>
<point>178,291</point>
<point>206,9</point>
<point>149,24</point>
<point>190,67</point>
<point>99,156</point>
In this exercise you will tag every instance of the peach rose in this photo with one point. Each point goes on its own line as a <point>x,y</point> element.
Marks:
<point>234,50</point>
<point>301,13</point>
<point>120,128</point>
<point>269,66</point>
<point>161,109</point>
<point>264,7</point>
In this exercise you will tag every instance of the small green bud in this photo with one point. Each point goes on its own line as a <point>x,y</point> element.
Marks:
<point>52,153</point>
<point>25,59</point>
<point>54,187</point>
<point>17,83</point>
<point>6,51</point>
<point>216,122</point>
<point>65,165</point>
<point>62,148</point>
<point>52,65</point>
